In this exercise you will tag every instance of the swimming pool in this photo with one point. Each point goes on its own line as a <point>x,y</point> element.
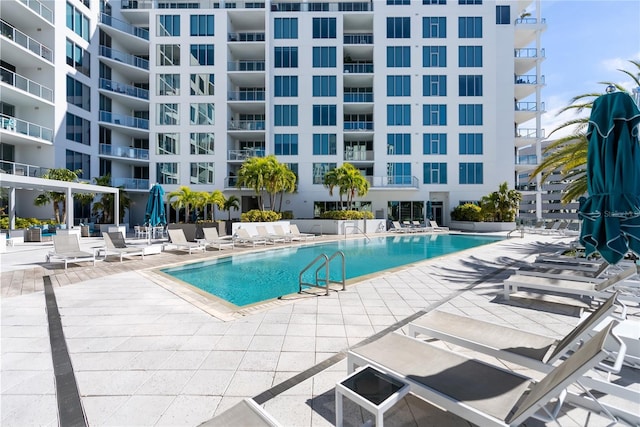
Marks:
<point>246,279</point>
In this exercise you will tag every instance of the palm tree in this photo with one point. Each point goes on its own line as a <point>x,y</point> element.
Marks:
<point>287,183</point>
<point>332,179</point>
<point>349,181</point>
<point>215,198</point>
<point>58,199</point>
<point>232,202</point>
<point>252,175</point>
<point>568,155</point>
<point>103,207</point>
<point>184,198</point>
<point>501,205</point>
<point>266,174</point>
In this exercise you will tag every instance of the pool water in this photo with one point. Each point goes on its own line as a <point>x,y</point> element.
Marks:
<point>245,279</point>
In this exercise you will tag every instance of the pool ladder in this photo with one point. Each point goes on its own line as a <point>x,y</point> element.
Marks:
<point>323,282</point>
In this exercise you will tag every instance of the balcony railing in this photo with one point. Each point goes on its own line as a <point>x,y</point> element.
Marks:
<point>528,52</point>
<point>247,95</point>
<point>124,89</point>
<point>358,67</point>
<point>22,169</point>
<point>393,181</point>
<point>246,125</point>
<point>355,155</point>
<point>25,84</point>
<point>40,9</point>
<point>190,4</point>
<point>122,120</point>
<point>530,21</point>
<point>242,155</point>
<point>363,38</point>
<point>354,6</point>
<point>529,133</point>
<point>126,152</point>
<point>358,125</point>
<point>528,79</point>
<point>131,183</point>
<point>530,159</point>
<point>529,106</point>
<point>246,37</point>
<point>12,124</point>
<point>526,187</point>
<point>123,57</point>
<point>25,41</point>
<point>125,27</point>
<point>246,65</point>
<point>358,97</point>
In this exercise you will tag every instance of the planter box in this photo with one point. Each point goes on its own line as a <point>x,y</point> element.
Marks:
<point>33,235</point>
<point>332,226</point>
<point>482,227</point>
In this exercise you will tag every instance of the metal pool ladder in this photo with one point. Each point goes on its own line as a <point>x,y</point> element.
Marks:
<point>323,282</point>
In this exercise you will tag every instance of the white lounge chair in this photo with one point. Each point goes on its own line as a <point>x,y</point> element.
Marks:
<point>179,241</point>
<point>66,248</point>
<point>434,225</point>
<point>296,232</point>
<point>288,237</point>
<point>480,393</point>
<point>115,244</point>
<point>242,236</point>
<point>269,237</point>
<point>213,239</point>
<point>553,272</point>
<point>398,228</point>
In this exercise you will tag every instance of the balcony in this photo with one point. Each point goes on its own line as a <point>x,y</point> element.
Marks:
<point>358,126</point>
<point>359,67</point>
<point>126,90</point>
<point>124,152</point>
<point>26,85</point>
<point>123,120</point>
<point>526,111</point>
<point>526,187</point>
<point>246,37</point>
<point>352,155</point>
<point>25,41</point>
<point>21,127</point>
<point>125,27</point>
<point>526,84</point>
<point>22,169</point>
<point>526,59</point>
<point>528,136</point>
<point>398,181</point>
<point>131,183</point>
<point>526,30</point>
<point>246,65</point>
<point>257,94</point>
<point>242,155</point>
<point>361,38</point>
<point>40,9</point>
<point>125,58</point>
<point>246,125</point>
<point>355,6</point>
<point>358,96</point>
<point>526,163</point>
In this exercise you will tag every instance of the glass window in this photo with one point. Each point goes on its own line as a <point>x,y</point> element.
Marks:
<point>79,161</point>
<point>398,56</point>
<point>398,143</point>
<point>503,15</point>
<point>434,27</point>
<point>470,173</point>
<point>202,143</point>
<point>78,94</point>
<point>324,115</point>
<point>168,26</point>
<point>285,28</point>
<point>286,144</point>
<point>168,54</point>
<point>202,25</point>
<point>286,57</point>
<point>78,129</point>
<point>285,115</point>
<point>399,115</point>
<point>470,143</point>
<point>470,114</point>
<point>470,85</point>
<point>324,57</point>
<point>470,56</point>
<point>398,27</point>
<point>434,1</point>
<point>398,2</point>
<point>168,143</point>
<point>434,173</point>
<point>434,85</point>
<point>398,85</point>
<point>399,173</point>
<point>202,173</point>
<point>324,28</point>
<point>168,84</point>
<point>202,114</point>
<point>202,54</point>
<point>434,143</point>
<point>77,22</point>
<point>324,85</point>
<point>434,115</point>
<point>434,56</point>
<point>167,173</point>
<point>202,84</point>
<point>469,1</point>
<point>285,86</point>
<point>320,170</point>
<point>168,114</point>
<point>78,58</point>
<point>324,144</point>
<point>470,27</point>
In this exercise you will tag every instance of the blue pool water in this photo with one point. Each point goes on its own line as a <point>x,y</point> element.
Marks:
<point>245,279</point>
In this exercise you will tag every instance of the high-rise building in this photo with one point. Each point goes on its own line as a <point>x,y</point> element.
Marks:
<point>430,99</point>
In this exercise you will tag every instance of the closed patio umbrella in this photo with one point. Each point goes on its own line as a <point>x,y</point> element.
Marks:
<point>155,214</point>
<point>611,214</point>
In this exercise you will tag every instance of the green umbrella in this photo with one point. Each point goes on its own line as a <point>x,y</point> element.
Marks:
<point>611,213</point>
<point>155,214</point>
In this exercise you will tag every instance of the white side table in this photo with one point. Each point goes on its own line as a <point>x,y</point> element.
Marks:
<point>373,390</point>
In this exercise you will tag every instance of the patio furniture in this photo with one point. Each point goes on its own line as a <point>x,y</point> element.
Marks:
<point>66,248</point>
<point>115,244</point>
<point>179,241</point>
<point>211,238</point>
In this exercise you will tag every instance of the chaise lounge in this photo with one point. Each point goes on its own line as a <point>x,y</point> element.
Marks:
<point>213,239</point>
<point>179,240</point>
<point>115,244</point>
<point>66,248</point>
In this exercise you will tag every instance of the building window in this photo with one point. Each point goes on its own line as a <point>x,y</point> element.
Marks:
<point>470,143</point>
<point>434,143</point>
<point>167,173</point>
<point>434,115</point>
<point>434,27</point>
<point>285,115</point>
<point>324,57</point>
<point>202,25</point>
<point>168,26</point>
<point>168,84</point>
<point>202,84</point>
<point>398,115</point>
<point>79,161</point>
<point>286,57</point>
<point>78,129</point>
<point>77,22</point>
<point>398,143</point>
<point>469,1</point>
<point>285,28</point>
<point>324,144</point>
<point>399,173</point>
<point>202,114</point>
<point>434,85</point>
<point>168,143</point>
<point>470,173</point>
<point>286,144</point>
<point>202,173</point>
<point>434,1</point>
<point>503,15</point>
<point>470,85</point>
<point>398,28</point>
<point>324,85</point>
<point>202,54</point>
<point>324,28</point>
<point>320,170</point>
<point>470,56</point>
<point>168,114</point>
<point>434,56</point>
<point>470,114</point>
<point>168,54</point>
<point>398,2</point>
<point>398,56</point>
<point>324,115</point>
<point>202,143</point>
<point>398,85</point>
<point>434,173</point>
<point>78,94</point>
<point>285,86</point>
<point>470,27</point>
<point>78,58</point>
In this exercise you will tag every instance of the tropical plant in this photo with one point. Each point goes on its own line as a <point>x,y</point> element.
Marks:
<point>257,215</point>
<point>103,207</point>
<point>185,198</point>
<point>349,181</point>
<point>59,200</point>
<point>266,175</point>
<point>232,202</point>
<point>568,155</point>
<point>501,205</point>
<point>467,212</point>
<point>215,198</point>
<point>346,215</point>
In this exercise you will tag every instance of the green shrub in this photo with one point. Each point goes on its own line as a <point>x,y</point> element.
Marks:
<point>287,215</point>
<point>21,222</point>
<point>347,215</point>
<point>257,215</point>
<point>467,212</point>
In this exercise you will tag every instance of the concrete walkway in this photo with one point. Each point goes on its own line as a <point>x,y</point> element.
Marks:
<point>143,356</point>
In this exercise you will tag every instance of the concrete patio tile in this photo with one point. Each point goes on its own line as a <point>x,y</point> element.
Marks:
<point>331,344</point>
<point>207,382</point>
<point>189,411</point>
<point>98,409</point>
<point>149,360</point>
<point>272,328</point>
<point>243,328</point>
<point>356,320</point>
<point>102,361</point>
<point>330,330</point>
<point>304,330</point>
<point>23,345</point>
<point>28,382</point>
<point>140,411</point>
<point>296,361</point>
<point>185,359</point>
<point>223,360</point>
<point>296,343</point>
<point>303,318</point>
<point>96,383</point>
<point>24,331</point>
<point>259,361</point>
<point>151,343</point>
<point>330,319</point>
<point>289,410</point>
<point>213,328</point>
<point>168,383</point>
<point>249,383</point>
<point>382,320</point>
<point>266,343</point>
<point>27,361</point>
<point>18,410</point>
<point>302,389</point>
<point>200,342</point>
<point>234,342</point>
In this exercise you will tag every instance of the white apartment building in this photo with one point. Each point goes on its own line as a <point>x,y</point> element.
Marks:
<point>430,99</point>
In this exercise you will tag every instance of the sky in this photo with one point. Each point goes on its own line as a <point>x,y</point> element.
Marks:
<point>586,42</point>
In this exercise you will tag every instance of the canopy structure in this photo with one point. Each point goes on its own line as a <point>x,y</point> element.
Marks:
<point>19,182</point>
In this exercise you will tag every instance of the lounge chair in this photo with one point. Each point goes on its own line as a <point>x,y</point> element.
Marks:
<point>180,242</point>
<point>574,263</point>
<point>397,228</point>
<point>597,275</point>
<point>66,248</point>
<point>296,232</point>
<point>288,237</point>
<point>419,227</point>
<point>434,225</point>
<point>115,244</point>
<point>246,413</point>
<point>483,394</point>
<point>213,239</point>
<point>242,236</point>
<point>269,237</point>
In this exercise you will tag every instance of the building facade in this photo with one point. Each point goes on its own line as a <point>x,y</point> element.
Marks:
<point>431,100</point>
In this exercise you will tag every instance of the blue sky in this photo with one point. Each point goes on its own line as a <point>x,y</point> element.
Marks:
<point>585,43</point>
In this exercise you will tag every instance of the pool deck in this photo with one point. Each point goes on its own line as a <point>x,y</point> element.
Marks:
<point>141,355</point>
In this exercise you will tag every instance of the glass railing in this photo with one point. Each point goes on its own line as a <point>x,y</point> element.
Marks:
<point>531,159</point>
<point>526,187</point>
<point>190,4</point>
<point>358,125</point>
<point>354,6</point>
<point>40,9</point>
<point>25,41</point>
<point>127,152</point>
<point>358,97</point>
<point>529,133</point>
<point>363,38</point>
<point>359,67</point>
<point>358,155</point>
<point>243,95</point>
<point>529,52</point>
<point>131,183</point>
<point>25,84</point>
<point>125,27</point>
<point>230,181</point>
<point>246,65</point>
<point>528,79</point>
<point>530,21</point>
<point>123,57</point>
<point>12,124</point>
<point>246,37</point>
<point>393,181</point>
<point>124,89</point>
<point>529,106</point>
<point>122,120</point>
<point>22,169</point>
<point>246,125</point>
<point>245,154</point>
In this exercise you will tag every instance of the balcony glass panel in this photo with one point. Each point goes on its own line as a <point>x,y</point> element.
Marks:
<point>124,89</point>
<point>125,27</point>
<point>126,58</point>
<point>12,124</point>
<point>26,84</point>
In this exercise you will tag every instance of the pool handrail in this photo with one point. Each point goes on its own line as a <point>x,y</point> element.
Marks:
<point>327,279</point>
